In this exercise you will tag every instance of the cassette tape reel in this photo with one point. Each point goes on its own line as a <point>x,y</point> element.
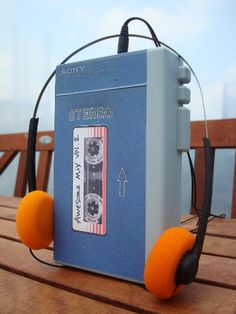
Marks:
<point>94,150</point>
<point>93,208</point>
<point>93,179</point>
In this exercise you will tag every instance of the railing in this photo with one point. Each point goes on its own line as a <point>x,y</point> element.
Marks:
<point>221,132</point>
<point>223,136</point>
<point>14,144</point>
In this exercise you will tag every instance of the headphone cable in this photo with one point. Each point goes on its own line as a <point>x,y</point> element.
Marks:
<point>34,120</point>
<point>43,262</point>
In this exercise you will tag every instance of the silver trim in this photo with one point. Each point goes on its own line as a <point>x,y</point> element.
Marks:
<point>102,89</point>
<point>163,161</point>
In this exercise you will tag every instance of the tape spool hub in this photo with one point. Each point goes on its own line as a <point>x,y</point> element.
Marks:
<point>93,208</point>
<point>94,150</point>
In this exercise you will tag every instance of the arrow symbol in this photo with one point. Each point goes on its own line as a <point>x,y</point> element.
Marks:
<point>122,179</point>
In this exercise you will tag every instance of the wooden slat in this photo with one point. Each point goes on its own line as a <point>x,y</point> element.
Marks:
<point>21,178</point>
<point>8,206</point>
<point>8,229</point>
<point>223,135</point>
<point>219,246</point>
<point>217,270</point>
<point>43,170</point>
<point>23,295</point>
<point>9,201</point>
<point>6,159</point>
<point>18,141</point>
<point>233,207</point>
<point>186,217</point>
<point>217,227</point>
<point>221,132</point>
<point>11,142</point>
<point>212,245</point>
<point>208,262</point>
<point>218,129</point>
<point>199,298</point>
<point>8,213</point>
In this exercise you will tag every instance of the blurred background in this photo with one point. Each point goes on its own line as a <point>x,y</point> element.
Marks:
<point>37,36</point>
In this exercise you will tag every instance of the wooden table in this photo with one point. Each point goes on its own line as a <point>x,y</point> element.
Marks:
<point>27,286</point>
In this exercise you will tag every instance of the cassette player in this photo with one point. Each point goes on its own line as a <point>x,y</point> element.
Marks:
<point>120,129</point>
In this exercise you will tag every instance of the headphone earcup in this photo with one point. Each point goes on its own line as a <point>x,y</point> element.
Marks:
<point>163,260</point>
<point>34,220</point>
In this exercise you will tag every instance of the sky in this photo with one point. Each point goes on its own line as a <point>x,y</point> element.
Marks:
<point>35,36</point>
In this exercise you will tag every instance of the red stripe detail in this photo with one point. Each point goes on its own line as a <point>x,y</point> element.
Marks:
<point>93,134</point>
<point>99,135</point>
<point>95,225</point>
<point>104,188</point>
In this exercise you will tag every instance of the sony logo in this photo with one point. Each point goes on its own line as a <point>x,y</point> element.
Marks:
<point>73,70</point>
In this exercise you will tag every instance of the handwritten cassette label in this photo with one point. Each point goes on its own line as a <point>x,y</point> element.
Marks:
<point>89,179</point>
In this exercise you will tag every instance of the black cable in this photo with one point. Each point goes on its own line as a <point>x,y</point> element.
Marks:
<point>210,218</point>
<point>79,50</point>
<point>218,216</point>
<point>206,207</point>
<point>31,175</point>
<point>194,192</point>
<point>154,37</point>
<point>43,262</point>
<point>31,170</point>
<point>188,219</point>
<point>34,120</point>
<point>193,184</point>
<point>123,43</point>
<point>64,61</point>
<point>100,40</point>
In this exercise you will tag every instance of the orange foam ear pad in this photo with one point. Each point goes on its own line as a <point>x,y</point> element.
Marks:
<point>34,220</point>
<point>163,260</point>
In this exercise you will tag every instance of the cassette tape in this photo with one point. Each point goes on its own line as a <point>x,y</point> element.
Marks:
<point>89,179</point>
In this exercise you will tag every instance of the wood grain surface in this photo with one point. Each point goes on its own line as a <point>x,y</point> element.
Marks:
<point>41,288</point>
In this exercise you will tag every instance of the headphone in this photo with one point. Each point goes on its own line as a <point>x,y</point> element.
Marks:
<point>174,259</point>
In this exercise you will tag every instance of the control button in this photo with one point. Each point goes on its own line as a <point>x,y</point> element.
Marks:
<point>184,75</point>
<point>183,134</point>
<point>183,95</point>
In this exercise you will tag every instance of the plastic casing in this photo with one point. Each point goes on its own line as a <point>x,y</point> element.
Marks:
<point>139,98</point>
